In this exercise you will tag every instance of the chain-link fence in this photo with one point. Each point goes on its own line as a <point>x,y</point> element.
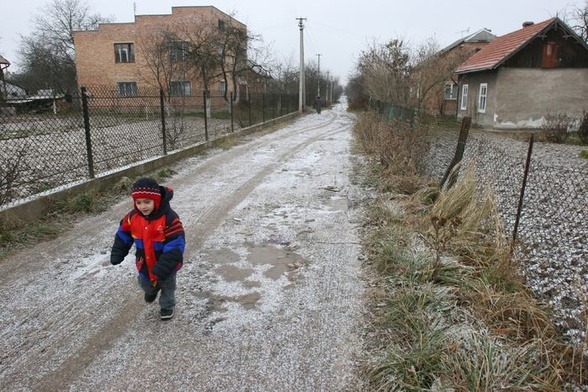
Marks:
<point>389,111</point>
<point>49,141</point>
<point>552,233</point>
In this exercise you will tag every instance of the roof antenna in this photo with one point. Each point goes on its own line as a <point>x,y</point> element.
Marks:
<point>462,33</point>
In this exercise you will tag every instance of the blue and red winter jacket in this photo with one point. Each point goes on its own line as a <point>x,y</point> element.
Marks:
<point>159,239</point>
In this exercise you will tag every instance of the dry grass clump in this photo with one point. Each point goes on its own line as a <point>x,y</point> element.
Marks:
<point>464,221</point>
<point>449,309</point>
<point>366,132</point>
<point>399,147</point>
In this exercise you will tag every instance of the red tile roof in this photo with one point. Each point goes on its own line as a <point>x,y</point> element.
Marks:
<point>502,48</point>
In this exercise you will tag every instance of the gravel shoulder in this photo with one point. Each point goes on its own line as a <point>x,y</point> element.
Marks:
<point>270,296</point>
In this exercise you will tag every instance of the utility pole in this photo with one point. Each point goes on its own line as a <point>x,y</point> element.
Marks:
<point>331,90</point>
<point>329,98</point>
<point>319,75</point>
<point>302,92</point>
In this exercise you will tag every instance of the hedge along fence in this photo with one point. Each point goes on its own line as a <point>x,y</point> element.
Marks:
<point>552,233</point>
<point>51,141</point>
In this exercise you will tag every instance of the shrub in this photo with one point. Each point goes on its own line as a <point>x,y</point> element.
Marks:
<point>555,127</point>
<point>400,146</point>
<point>583,129</point>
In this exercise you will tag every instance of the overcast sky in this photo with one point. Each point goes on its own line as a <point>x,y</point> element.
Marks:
<point>337,30</point>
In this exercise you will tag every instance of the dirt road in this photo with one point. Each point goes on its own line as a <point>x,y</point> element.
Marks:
<point>269,298</point>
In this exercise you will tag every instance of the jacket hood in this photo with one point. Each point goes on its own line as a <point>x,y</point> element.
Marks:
<point>167,194</point>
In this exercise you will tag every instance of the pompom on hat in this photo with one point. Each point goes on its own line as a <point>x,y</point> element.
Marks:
<point>147,188</point>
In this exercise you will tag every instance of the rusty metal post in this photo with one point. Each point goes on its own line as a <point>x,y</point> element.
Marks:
<point>86,114</point>
<point>204,95</point>
<point>450,177</point>
<point>232,114</point>
<point>163,128</point>
<point>522,194</point>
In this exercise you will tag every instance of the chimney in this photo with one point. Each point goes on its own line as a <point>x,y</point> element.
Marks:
<point>528,23</point>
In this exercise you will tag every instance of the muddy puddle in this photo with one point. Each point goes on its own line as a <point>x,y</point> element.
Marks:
<point>275,262</point>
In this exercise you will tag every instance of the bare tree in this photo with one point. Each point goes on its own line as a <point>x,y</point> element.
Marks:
<point>357,98</point>
<point>164,54</point>
<point>427,75</point>
<point>199,51</point>
<point>233,61</point>
<point>579,19</point>
<point>406,77</point>
<point>48,54</point>
<point>57,21</point>
<point>386,72</point>
<point>286,75</point>
<point>184,51</point>
<point>432,68</point>
<point>13,167</point>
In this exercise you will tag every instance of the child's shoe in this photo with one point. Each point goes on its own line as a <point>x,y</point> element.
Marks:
<point>166,314</point>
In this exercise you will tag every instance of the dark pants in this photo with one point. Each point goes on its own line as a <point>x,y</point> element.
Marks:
<point>167,298</point>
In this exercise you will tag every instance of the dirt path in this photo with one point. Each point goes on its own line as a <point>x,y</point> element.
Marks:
<point>269,298</point>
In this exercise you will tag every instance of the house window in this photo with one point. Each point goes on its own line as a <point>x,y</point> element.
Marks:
<point>450,91</point>
<point>221,25</point>
<point>482,98</point>
<point>181,88</point>
<point>178,51</point>
<point>464,97</point>
<point>127,89</point>
<point>124,53</point>
<point>223,87</point>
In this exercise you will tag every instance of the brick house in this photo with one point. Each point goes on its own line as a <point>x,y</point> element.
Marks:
<point>520,78</point>
<point>192,49</point>
<point>445,101</point>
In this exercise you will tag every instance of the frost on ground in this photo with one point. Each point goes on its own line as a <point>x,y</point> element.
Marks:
<point>269,299</point>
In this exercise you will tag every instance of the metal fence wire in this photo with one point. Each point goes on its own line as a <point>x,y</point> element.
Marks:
<point>48,141</point>
<point>552,235</point>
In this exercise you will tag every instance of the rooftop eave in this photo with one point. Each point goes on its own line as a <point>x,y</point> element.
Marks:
<point>477,69</point>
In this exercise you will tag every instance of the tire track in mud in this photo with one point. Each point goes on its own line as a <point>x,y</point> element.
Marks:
<point>209,215</point>
<point>101,340</point>
<point>215,213</point>
<point>106,329</point>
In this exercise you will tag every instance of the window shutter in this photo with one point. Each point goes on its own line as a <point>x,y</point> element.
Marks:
<point>550,55</point>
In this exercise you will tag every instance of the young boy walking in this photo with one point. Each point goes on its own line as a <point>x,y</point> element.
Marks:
<point>158,235</point>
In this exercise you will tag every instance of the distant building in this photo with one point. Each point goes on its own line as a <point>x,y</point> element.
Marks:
<point>519,78</point>
<point>184,52</point>
<point>11,91</point>
<point>436,77</point>
<point>454,54</point>
<point>17,100</point>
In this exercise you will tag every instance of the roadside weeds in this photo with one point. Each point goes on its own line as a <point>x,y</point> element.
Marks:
<point>447,307</point>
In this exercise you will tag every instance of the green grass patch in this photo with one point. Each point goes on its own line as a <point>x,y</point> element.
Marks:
<point>163,174</point>
<point>85,203</point>
<point>15,235</point>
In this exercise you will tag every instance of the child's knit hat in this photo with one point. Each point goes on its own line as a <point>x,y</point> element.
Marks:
<point>147,188</point>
